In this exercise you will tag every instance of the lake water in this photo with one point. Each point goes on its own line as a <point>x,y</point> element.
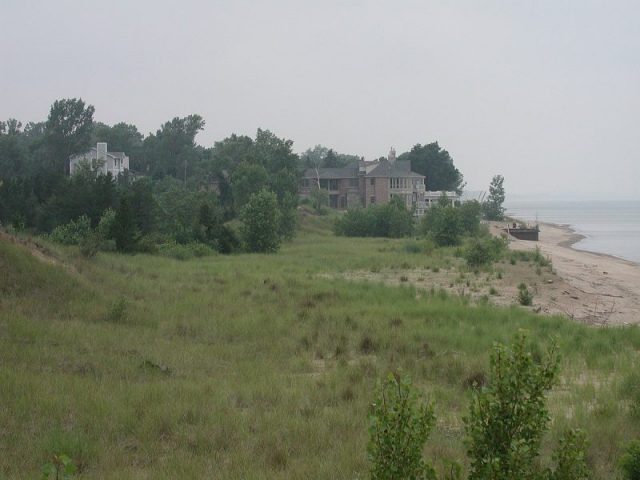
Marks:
<point>611,227</point>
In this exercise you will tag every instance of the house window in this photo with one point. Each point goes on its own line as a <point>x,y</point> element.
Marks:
<point>372,200</point>
<point>372,181</point>
<point>333,184</point>
<point>353,182</point>
<point>324,183</point>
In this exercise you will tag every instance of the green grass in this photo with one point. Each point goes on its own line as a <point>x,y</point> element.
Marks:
<point>263,366</point>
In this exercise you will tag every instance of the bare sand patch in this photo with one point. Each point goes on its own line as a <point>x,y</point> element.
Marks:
<point>594,287</point>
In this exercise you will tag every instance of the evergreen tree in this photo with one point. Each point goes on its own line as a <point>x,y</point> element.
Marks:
<point>124,228</point>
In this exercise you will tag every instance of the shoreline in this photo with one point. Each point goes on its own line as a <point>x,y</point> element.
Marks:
<point>574,237</point>
<point>593,287</point>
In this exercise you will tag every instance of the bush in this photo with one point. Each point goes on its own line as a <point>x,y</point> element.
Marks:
<point>261,223</point>
<point>524,295</point>
<point>90,245</point>
<point>319,199</point>
<point>484,251</point>
<point>185,252</point>
<point>443,224</point>
<point>359,222</point>
<point>504,441</point>
<point>105,225</point>
<point>399,426</point>
<point>419,246</point>
<point>124,228</point>
<point>470,217</point>
<point>72,233</point>
<point>391,220</point>
<point>570,458</point>
<point>630,461</point>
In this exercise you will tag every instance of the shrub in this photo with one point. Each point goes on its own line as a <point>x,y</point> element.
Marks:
<point>630,461</point>
<point>319,199</point>
<point>185,252</point>
<point>90,245</point>
<point>124,228</point>
<point>105,225</point>
<point>470,217</point>
<point>570,458</point>
<point>414,246</point>
<point>524,295</point>
<point>508,417</point>
<point>484,251</point>
<point>399,426</point>
<point>61,467</point>
<point>261,221</point>
<point>72,233</point>
<point>443,224</point>
<point>392,220</point>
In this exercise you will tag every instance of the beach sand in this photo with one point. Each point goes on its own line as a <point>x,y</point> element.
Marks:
<point>590,287</point>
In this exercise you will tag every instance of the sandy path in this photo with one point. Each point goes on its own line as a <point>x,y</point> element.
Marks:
<point>604,289</point>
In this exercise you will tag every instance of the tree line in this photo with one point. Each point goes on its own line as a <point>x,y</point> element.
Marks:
<point>177,191</point>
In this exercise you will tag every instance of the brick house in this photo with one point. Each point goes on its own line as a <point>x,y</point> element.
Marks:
<point>368,183</point>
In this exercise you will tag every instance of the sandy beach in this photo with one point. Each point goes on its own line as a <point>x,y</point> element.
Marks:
<point>590,287</point>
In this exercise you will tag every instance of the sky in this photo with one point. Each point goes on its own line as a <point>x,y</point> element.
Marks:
<point>545,93</point>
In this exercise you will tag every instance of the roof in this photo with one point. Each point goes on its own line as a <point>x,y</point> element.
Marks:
<point>384,168</point>
<point>95,151</point>
<point>346,172</point>
<point>399,168</point>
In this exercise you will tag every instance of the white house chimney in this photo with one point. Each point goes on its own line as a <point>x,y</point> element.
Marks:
<point>102,153</point>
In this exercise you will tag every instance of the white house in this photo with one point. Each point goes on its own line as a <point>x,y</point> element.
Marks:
<point>101,159</point>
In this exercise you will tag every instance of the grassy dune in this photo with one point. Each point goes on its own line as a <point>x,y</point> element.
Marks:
<point>255,366</point>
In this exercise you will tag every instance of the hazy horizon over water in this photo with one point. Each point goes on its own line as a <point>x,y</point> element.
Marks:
<point>611,227</point>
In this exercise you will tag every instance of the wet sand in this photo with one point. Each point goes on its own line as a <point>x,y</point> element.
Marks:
<point>594,288</point>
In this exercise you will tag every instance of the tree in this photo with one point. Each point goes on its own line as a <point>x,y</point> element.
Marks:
<point>493,209</point>
<point>437,165</point>
<point>248,178</point>
<point>172,149</point>
<point>124,228</point>
<point>319,199</point>
<point>261,222</point>
<point>331,160</point>
<point>68,131</point>
<point>121,137</point>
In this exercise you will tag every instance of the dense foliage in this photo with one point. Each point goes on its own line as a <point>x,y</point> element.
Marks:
<point>177,192</point>
<point>436,164</point>
<point>390,220</point>
<point>446,224</point>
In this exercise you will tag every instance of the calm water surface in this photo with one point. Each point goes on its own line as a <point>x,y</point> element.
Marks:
<point>611,227</point>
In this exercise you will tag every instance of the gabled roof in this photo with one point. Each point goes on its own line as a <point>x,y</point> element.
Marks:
<point>384,168</point>
<point>94,151</point>
<point>329,173</point>
<point>399,168</point>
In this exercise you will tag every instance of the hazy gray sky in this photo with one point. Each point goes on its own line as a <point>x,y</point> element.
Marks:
<point>546,93</point>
